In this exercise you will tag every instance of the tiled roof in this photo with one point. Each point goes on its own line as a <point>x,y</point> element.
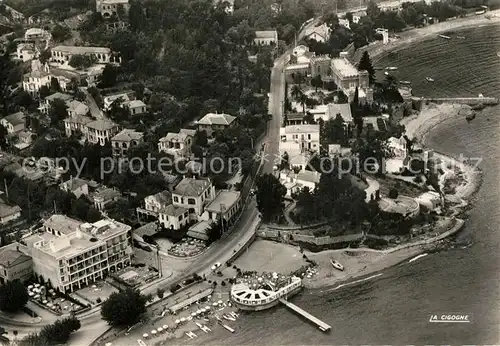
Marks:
<point>173,210</point>
<point>191,187</point>
<point>16,118</point>
<point>7,210</point>
<point>344,109</point>
<point>60,96</point>
<point>265,34</point>
<point>11,256</point>
<point>102,125</point>
<point>216,119</point>
<point>162,197</point>
<point>128,135</point>
<point>81,50</point>
<point>62,223</point>
<point>302,129</point>
<point>78,119</point>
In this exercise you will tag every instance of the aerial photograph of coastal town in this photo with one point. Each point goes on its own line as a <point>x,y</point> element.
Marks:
<point>249,172</point>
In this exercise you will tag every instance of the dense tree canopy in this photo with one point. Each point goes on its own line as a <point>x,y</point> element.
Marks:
<point>270,196</point>
<point>53,334</point>
<point>124,308</point>
<point>13,296</point>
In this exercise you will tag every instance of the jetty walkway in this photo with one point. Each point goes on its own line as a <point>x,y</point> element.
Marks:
<point>487,101</point>
<point>322,325</point>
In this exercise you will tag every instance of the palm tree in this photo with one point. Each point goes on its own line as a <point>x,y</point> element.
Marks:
<point>296,93</point>
<point>303,100</point>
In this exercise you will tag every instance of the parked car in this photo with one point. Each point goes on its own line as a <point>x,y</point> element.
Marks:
<point>216,265</point>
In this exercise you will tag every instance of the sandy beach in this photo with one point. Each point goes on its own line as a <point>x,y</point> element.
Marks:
<point>412,36</point>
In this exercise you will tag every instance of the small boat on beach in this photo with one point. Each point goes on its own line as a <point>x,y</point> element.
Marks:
<point>461,37</point>
<point>429,79</point>
<point>228,317</point>
<point>337,265</point>
<point>386,73</point>
<point>391,68</point>
<point>498,54</point>
<point>445,37</point>
<point>404,82</point>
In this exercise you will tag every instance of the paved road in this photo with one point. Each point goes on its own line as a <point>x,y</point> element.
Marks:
<point>95,111</point>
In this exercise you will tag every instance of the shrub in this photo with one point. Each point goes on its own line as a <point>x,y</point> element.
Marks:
<point>393,193</point>
<point>98,300</point>
<point>124,308</point>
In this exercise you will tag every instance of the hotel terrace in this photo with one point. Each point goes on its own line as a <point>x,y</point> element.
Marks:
<point>72,254</point>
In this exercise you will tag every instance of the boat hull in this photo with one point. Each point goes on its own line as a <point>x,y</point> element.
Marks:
<point>269,304</point>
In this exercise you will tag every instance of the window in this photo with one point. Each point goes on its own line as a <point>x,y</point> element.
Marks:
<point>176,199</point>
<point>191,201</point>
<point>180,217</point>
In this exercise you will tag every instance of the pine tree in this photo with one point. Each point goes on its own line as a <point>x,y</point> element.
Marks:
<point>365,64</point>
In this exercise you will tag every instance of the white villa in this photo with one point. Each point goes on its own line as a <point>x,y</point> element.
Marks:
<point>266,38</point>
<point>103,55</point>
<point>125,140</point>
<point>189,199</point>
<point>177,144</point>
<point>100,131</point>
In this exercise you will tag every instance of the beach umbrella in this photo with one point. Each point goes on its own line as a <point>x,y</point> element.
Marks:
<point>37,296</point>
<point>193,314</point>
<point>159,330</point>
<point>183,319</point>
<point>198,312</point>
<point>207,307</point>
<point>177,321</point>
<point>214,303</point>
<point>108,344</point>
<point>165,326</point>
<point>145,335</point>
<point>220,302</point>
<point>31,294</point>
<point>37,285</point>
<point>30,286</point>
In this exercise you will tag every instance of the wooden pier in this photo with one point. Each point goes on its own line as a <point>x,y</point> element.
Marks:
<point>321,325</point>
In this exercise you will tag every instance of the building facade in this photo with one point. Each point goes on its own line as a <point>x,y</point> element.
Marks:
<point>299,138</point>
<point>108,8</point>
<point>102,55</point>
<point>125,140</point>
<point>177,144</point>
<point>15,264</point>
<point>101,131</point>
<point>73,255</point>
<point>213,122</point>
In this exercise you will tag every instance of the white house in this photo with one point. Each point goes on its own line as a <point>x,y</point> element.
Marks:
<point>320,33</point>
<point>296,139</point>
<point>76,186</point>
<point>77,123</point>
<point>294,183</point>
<point>77,108</point>
<point>102,55</point>
<point>224,208</point>
<point>189,199</point>
<point>136,107</point>
<point>266,37</point>
<point>177,144</point>
<point>9,213</point>
<point>155,203</point>
<point>125,140</point>
<point>100,131</point>
<point>33,34</point>
<point>38,77</point>
<point>26,52</point>
<point>14,123</point>
<point>108,8</point>
<point>212,122</point>
<point>347,78</point>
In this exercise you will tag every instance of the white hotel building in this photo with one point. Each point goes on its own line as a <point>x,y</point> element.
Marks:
<point>72,254</point>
